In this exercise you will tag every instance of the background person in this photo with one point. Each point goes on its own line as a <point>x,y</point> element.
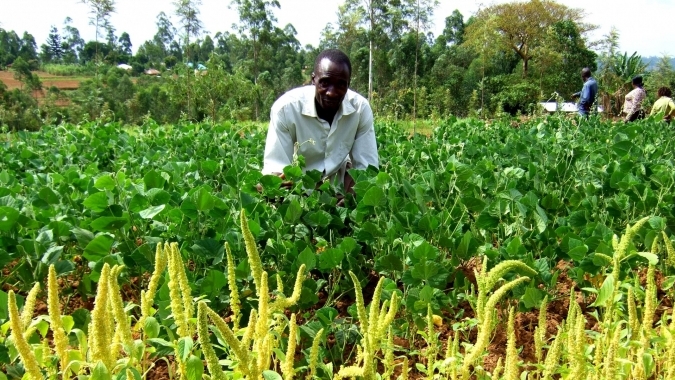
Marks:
<point>326,122</point>
<point>632,105</point>
<point>588,92</point>
<point>664,104</point>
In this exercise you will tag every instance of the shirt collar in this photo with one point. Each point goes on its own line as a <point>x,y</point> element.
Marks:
<point>309,108</point>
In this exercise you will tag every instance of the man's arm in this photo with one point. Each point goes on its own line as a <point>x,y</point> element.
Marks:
<point>364,149</point>
<point>585,96</point>
<point>279,144</point>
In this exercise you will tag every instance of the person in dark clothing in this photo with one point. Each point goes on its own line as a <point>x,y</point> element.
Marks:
<point>588,92</point>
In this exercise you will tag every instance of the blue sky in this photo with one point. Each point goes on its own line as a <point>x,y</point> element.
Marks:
<point>644,26</point>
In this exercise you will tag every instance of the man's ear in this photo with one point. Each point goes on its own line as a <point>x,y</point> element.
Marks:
<point>312,81</point>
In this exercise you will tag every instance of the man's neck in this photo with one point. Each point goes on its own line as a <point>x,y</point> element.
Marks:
<point>323,114</point>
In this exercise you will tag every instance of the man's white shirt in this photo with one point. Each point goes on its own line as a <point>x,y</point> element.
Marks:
<point>326,148</point>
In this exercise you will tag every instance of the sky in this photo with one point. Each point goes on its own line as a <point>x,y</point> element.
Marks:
<point>644,27</point>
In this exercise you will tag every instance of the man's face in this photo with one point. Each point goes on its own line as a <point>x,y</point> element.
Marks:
<point>331,81</point>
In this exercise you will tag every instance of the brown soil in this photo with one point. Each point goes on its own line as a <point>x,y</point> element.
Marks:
<point>48,80</point>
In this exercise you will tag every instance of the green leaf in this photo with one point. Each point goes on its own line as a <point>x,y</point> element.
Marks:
<point>652,258</point>
<point>374,197</point>
<point>293,212</point>
<point>516,248</point>
<point>204,200</point>
<point>330,259</point>
<point>195,368</point>
<point>48,195</point>
<point>532,297</point>
<point>97,202</point>
<point>105,182</point>
<point>152,179</point>
<point>100,372</point>
<point>486,221</point>
<point>578,253</point>
<point>271,375</point>
<point>99,247</point>
<point>185,345</point>
<point>605,291</point>
<point>213,282</point>
<point>308,258</point>
<point>151,212</point>
<point>151,327</point>
<point>8,218</point>
<point>318,219</point>
<point>473,204</point>
<point>108,223</point>
<point>390,262</point>
<point>540,219</point>
<point>622,148</point>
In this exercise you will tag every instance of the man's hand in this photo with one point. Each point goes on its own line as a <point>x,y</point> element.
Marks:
<point>574,96</point>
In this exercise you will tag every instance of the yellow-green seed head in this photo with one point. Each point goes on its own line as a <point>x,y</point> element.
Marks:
<point>25,352</point>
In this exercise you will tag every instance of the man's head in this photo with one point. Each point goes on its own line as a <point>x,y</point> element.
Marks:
<point>331,78</point>
<point>664,91</point>
<point>637,81</point>
<point>585,73</point>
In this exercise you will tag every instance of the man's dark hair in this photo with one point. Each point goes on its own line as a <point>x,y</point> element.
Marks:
<point>585,72</point>
<point>664,91</point>
<point>335,56</point>
<point>637,81</point>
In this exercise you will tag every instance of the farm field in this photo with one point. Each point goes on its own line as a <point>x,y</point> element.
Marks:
<point>48,80</point>
<point>535,249</point>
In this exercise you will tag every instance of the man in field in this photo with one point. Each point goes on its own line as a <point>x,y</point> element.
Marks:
<point>588,92</point>
<point>326,122</point>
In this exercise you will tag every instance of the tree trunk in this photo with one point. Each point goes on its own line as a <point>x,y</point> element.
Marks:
<point>370,54</point>
<point>255,75</point>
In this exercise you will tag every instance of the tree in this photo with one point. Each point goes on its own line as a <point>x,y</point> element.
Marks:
<point>10,45</point>
<point>256,21</point>
<point>53,51</point>
<point>28,50</point>
<point>453,33</point>
<point>188,14</point>
<point>387,21</point>
<point>165,33</point>
<point>125,44</point>
<point>23,74</point>
<point>207,47</point>
<point>662,75</point>
<point>72,43</point>
<point>519,26</point>
<point>100,11</point>
<point>561,57</point>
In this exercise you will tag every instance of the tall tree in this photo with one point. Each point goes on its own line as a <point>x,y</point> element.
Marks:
<point>165,33</point>
<point>52,51</point>
<point>100,11</point>
<point>188,15</point>
<point>10,45</point>
<point>256,21</point>
<point>28,49</point>
<point>520,26</point>
<point>125,44</point>
<point>385,21</point>
<point>71,41</point>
